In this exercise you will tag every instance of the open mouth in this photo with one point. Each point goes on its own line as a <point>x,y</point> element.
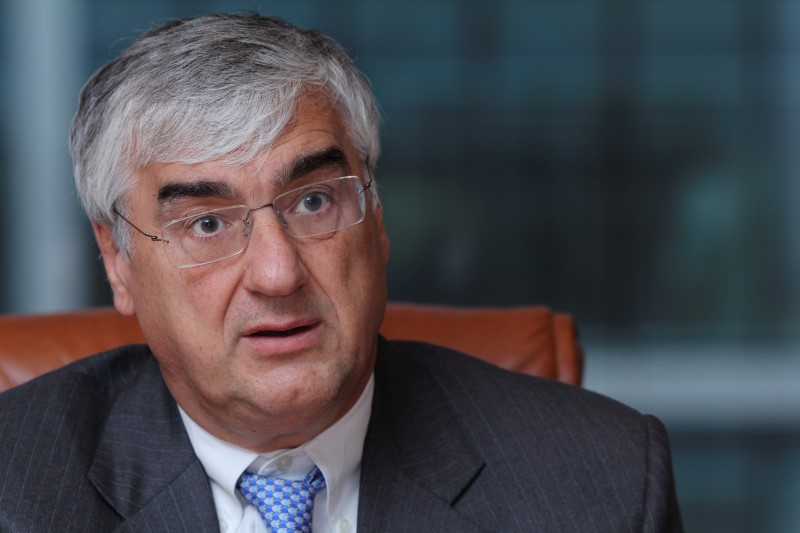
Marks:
<point>281,333</point>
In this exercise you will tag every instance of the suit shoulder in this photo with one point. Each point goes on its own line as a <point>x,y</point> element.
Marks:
<point>470,383</point>
<point>69,395</point>
<point>50,431</point>
<point>103,371</point>
<point>557,443</point>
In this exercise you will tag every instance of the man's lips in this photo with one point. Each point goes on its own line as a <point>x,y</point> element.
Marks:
<point>288,335</point>
<point>279,332</point>
<point>270,340</point>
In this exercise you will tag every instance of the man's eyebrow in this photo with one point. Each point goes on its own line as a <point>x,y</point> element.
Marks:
<point>307,163</point>
<point>195,189</point>
<point>301,166</point>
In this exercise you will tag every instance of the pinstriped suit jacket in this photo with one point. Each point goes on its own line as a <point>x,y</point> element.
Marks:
<point>454,444</point>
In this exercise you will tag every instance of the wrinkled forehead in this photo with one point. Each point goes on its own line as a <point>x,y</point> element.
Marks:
<point>313,144</point>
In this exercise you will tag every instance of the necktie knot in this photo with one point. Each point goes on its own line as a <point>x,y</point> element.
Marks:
<point>284,505</point>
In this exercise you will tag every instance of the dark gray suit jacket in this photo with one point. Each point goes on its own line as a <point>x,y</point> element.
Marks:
<point>454,444</point>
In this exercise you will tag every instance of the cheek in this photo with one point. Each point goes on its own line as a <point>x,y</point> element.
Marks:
<point>361,281</point>
<point>184,308</point>
<point>206,297</point>
<point>351,262</point>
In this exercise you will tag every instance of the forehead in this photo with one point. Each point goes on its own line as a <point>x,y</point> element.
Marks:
<point>316,126</point>
<point>315,140</point>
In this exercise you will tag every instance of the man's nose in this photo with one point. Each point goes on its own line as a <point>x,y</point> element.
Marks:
<point>272,262</point>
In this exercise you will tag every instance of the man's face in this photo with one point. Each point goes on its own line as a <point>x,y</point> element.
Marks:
<point>270,347</point>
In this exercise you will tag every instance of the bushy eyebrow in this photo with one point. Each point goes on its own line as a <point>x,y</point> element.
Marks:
<point>303,165</point>
<point>195,189</point>
<point>307,163</point>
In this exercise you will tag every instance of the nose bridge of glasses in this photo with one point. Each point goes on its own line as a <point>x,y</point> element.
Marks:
<point>248,219</point>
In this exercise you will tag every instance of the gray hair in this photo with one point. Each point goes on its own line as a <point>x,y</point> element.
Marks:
<point>202,89</point>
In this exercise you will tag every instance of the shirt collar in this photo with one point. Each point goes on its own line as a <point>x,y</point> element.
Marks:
<point>336,452</point>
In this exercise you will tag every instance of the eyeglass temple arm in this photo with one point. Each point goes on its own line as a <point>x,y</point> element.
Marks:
<point>153,238</point>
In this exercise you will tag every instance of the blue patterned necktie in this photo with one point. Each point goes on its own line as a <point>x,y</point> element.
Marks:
<point>284,505</point>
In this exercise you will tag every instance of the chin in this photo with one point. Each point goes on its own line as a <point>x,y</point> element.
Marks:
<point>299,389</point>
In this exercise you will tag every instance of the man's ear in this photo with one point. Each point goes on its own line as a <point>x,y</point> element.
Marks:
<point>117,268</point>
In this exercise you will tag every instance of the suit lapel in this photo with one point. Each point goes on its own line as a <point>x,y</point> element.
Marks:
<point>145,466</point>
<point>417,461</point>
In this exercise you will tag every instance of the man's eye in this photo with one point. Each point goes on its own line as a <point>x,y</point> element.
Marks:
<point>206,225</point>
<point>312,202</point>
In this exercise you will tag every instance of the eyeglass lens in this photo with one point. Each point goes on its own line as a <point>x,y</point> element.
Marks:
<point>310,211</point>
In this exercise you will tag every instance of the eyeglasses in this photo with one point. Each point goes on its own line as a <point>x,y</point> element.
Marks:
<point>312,211</point>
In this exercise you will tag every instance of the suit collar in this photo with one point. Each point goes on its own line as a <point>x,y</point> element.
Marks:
<point>416,456</point>
<point>145,463</point>
<point>415,452</point>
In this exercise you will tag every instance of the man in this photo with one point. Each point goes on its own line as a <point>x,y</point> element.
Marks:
<point>227,164</point>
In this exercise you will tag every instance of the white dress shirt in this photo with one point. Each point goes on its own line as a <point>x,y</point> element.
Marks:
<point>336,452</point>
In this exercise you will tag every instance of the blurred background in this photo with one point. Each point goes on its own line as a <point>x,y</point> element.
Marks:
<point>633,163</point>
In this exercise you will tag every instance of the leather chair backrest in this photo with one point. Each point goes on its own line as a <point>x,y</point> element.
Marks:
<point>533,340</point>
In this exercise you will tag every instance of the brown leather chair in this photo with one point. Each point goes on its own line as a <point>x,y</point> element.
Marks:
<point>533,340</point>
